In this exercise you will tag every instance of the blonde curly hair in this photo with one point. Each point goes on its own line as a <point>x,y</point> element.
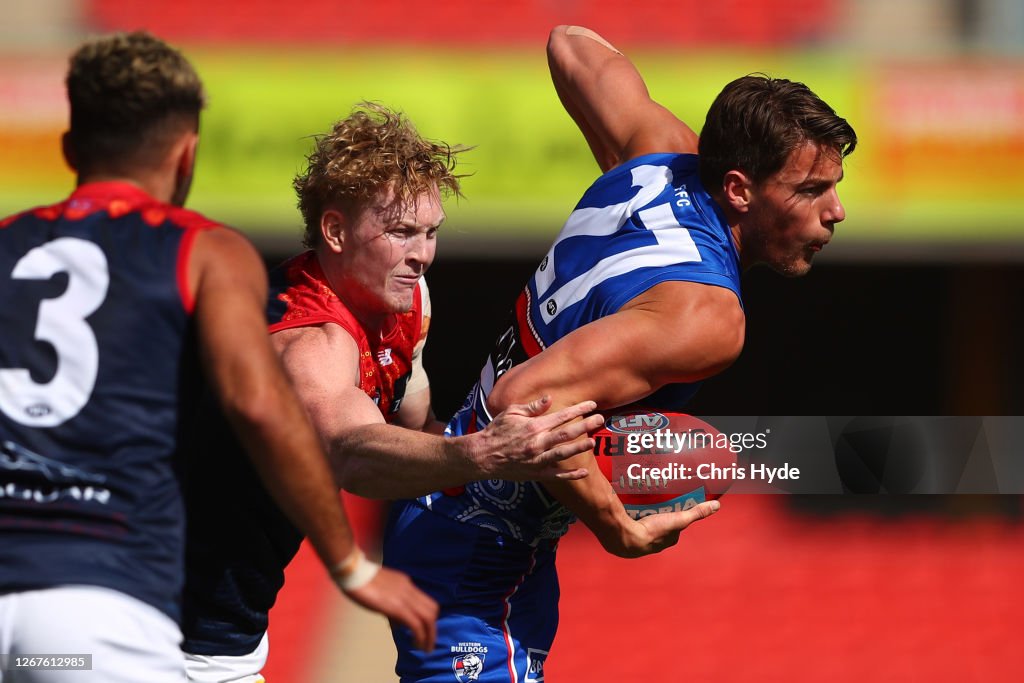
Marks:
<point>371,151</point>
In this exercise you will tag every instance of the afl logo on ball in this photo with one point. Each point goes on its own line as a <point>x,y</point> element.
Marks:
<point>636,422</point>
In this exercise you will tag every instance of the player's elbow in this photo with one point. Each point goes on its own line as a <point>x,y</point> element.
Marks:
<point>520,384</point>
<point>559,51</point>
<point>715,349</point>
<point>725,346</point>
<point>350,457</point>
<point>354,478</point>
<point>556,38</point>
<point>347,475</point>
<point>568,56</point>
<point>726,354</point>
<point>500,397</point>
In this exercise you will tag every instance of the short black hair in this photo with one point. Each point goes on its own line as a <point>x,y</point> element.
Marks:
<point>129,93</point>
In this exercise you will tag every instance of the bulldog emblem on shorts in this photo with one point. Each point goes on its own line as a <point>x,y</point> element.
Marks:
<point>468,667</point>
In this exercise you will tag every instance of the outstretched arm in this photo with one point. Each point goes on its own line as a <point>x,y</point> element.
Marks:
<point>230,291</point>
<point>606,96</point>
<point>377,460</point>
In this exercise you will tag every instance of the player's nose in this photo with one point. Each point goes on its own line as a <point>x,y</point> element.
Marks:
<point>420,251</point>
<point>835,212</point>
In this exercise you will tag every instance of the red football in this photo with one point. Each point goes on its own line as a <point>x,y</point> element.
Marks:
<point>659,461</point>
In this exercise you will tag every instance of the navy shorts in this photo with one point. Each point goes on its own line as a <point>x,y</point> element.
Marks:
<point>498,599</point>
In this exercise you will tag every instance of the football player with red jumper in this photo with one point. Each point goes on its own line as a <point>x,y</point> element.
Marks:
<point>349,320</point>
<point>637,299</point>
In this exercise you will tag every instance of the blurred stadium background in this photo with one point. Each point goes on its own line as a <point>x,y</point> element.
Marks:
<point>915,308</point>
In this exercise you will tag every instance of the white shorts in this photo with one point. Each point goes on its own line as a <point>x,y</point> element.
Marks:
<point>129,641</point>
<point>226,668</point>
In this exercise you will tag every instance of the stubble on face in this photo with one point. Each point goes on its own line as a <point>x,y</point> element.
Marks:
<point>796,209</point>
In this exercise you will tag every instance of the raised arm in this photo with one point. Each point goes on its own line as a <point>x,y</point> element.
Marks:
<point>230,290</point>
<point>674,332</point>
<point>606,96</point>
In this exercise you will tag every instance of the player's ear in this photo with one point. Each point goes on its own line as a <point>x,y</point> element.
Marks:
<point>736,188</point>
<point>184,161</point>
<point>332,223</point>
<point>187,155</point>
<point>68,150</point>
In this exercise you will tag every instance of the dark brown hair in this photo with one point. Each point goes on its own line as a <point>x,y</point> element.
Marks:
<point>374,149</point>
<point>757,121</point>
<point>130,94</point>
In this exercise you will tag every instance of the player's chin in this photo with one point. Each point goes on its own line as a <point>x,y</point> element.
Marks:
<point>796,266</point>
<point>400,302</point>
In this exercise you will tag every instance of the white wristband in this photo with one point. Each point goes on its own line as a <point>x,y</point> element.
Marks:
<point>354,572</point>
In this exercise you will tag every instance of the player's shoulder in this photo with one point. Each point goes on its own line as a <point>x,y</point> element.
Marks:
<point>193,220</point>
<point>224,245</point>
<point>50,212</point>
<point>422,289</point>
<point>423,298</point>
<point>654,170</point>
<point>220,257</point>
<point>326,340</point>
<point>674,160</point>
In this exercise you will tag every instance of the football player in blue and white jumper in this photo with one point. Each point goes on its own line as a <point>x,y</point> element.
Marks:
<point>637,299</point>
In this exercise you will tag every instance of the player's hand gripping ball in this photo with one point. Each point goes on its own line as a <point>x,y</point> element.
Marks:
<point>660,461</point>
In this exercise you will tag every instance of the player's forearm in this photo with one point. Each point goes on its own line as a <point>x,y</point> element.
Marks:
<point>385,461</point>
<point>286,454</point>
<point>595,503</point>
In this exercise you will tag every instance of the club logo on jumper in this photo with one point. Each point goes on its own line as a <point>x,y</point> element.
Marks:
<point>15,458</point>
<point>552,307</point>
<point>535,665</point>
<point>30,477</point>
<point>639,422</point>
<point>468,663</point>
<point>384,357</point>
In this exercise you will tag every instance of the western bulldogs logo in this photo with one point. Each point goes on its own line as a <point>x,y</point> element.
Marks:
<point>468,667</point>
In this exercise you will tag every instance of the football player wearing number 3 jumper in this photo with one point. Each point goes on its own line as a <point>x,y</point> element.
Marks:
<point>638,298</point>
<point>115,302</point>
